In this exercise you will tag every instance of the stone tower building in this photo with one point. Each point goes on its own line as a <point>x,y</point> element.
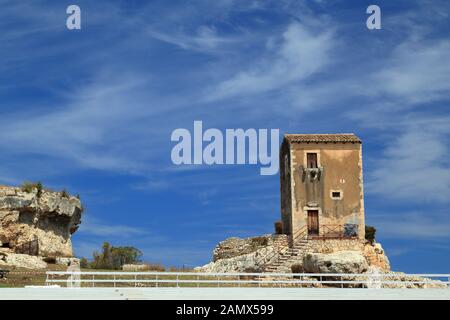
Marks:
<point>322,186</point>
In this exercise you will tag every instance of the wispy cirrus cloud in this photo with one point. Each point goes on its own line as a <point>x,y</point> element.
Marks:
<point>300,54</point>
<point>414,225</point>
<point>95,227</point>
<point>413,166</point>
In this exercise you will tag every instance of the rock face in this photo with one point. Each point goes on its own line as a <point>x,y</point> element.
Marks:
<point>337,262</point>
<point>244,255</point>
<point>316,256</point>
<point>45,216</point>
<point>233,247</point>
<point>250,262</point>
<point>22,261</point>
<point>375,256</point>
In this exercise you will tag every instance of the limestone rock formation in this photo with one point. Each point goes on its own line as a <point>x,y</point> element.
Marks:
<point>49,218</point>
<point>234,247</point>
<point>244,255</point>
<point>315,256</point>
<point>250,262</point>
<point>336,262</point>
<point>22,261</point>
<point>376,257</point>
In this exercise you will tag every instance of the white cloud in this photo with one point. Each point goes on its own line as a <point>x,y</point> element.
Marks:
<point>205,39</point>
<point>96,227</point>
<point>417,72</point>
<point>413,166</point>
<point>413,225</point>
<point>301,54</point>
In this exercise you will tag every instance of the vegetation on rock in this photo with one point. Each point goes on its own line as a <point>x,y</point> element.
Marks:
<point>31,186</point>
<point>370,233</point>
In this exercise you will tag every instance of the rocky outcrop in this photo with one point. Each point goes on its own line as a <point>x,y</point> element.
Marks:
<point>343,256</point>
<point>22,261</point>
<point>376,257</point>
<point>245,255</point>
<point>250,262</point>
<point>400,280</point>
<point>234,247</point>
<point>315,256</point>
<point>337,262</point>
<point>48,217</point>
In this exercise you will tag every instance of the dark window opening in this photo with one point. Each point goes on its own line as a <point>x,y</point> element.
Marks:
<point>336,194</point>
<point>311,160</point>
<point>5,245</point>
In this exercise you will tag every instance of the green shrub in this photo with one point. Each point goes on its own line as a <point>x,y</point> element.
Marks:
<point>278,227</point>
<point>113,258</point>
<point>370,234</point>
<point>84,263</point>
<point>31,186</point>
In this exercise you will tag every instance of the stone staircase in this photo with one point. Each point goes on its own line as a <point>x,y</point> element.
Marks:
<point>283,262</point>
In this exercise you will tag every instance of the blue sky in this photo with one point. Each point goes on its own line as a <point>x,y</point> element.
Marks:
<point>92,111</point>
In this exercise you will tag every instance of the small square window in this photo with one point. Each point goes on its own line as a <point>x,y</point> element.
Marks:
<point>336,194</point>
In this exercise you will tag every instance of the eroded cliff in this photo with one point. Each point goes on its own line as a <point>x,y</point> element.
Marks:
<point>38,216</point>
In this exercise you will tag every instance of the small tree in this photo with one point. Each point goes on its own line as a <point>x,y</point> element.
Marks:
<point>84,263</point>
<point>106,256</point>
<point>370,234</point>
<point>115,257</point>
<point>124,255</point>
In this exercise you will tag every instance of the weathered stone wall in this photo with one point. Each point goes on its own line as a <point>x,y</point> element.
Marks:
<point>333,245</point>
<point>285,187</point>
<point>50,217</point>
<point>342,170</point>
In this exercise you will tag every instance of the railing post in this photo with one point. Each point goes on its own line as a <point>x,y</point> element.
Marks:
<point>114,280</point>
<point>156,283</point>
<point>93,280</point>
<point>135,280</point>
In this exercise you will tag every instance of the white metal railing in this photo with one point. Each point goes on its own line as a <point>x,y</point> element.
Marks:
<point>202,279</point>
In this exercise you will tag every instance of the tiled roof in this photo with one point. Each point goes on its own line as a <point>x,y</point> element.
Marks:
<point>339,137</point>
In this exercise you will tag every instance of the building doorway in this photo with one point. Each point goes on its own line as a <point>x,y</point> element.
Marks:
<point>313,222</point>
